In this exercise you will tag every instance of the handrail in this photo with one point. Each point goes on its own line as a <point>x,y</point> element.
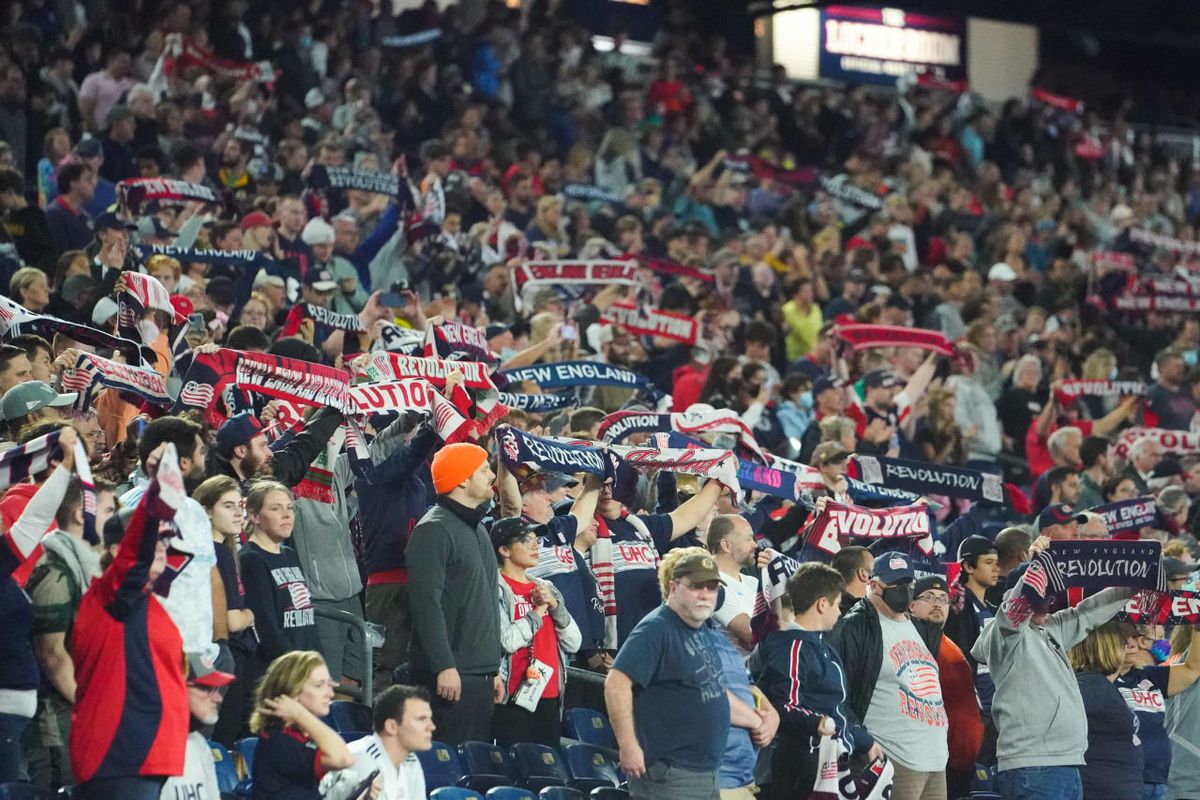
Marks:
<point>364,694</point>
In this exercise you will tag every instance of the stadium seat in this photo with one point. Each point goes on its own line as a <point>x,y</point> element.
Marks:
<point>454,793</point>
<point>245,748</point>
<point>538,766</point>
<point>588,726</point>
<point>589,767</point>
<point>353,736</point>
<point>509,793</point>
<point>487,766</point>
<point>19,790</point>
<point>560,793</point>
<point>347,715</point>
<point>227,776</point>
<point>442,766</point>
<point>609,793</point>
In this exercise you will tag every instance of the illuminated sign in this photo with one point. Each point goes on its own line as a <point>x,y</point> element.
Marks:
<point>878,45</point>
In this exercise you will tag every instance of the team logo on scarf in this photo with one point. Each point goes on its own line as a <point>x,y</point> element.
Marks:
<point>91,370</point>
<point>524,453</point>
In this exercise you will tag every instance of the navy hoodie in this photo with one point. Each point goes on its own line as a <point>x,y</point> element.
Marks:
<point>804,679</point>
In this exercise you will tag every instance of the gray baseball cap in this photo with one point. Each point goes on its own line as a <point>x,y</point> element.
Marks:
<point>30,396</point>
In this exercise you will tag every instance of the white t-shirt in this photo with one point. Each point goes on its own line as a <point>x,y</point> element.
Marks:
<point>189,602</point>
<point>740,592</point>
<point>405,782</point>
<point>199,778</point>
<point>907,716</point>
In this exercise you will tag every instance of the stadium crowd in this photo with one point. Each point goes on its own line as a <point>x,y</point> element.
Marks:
<point>848,436</point>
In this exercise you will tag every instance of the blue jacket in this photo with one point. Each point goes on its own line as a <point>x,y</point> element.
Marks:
<point>392,499</point>
<point>804,679</point>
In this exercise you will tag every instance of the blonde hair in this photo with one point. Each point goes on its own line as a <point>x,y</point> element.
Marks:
<point>159,261</point>
<point>22,279</point>
<point>286,675</point>
<point>666,567</point>
<point>540,325</point>
<point>834,428</point>
<point>1098,366</point>
<point>1102,651</point>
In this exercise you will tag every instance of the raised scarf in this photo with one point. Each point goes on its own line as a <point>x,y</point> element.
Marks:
<point>571,374</point>
<point>863,337</point>
<point>1070,390</point>
<point>1059,101</point>
<point>16,319</point>
<point>618,426</point>
<point>540,403</point>
<point>457,341</point>
<point>524,453</point>
<point>839,522</point>
<point>134,192</point>
<point>189,255</point>
<point>1126,518</point>
<point>1176,443</point>
<point>1085,564</point>
<point>1177,607</point>
<point>363,180</point>
<point>644,321</point>
<point>90,371</point>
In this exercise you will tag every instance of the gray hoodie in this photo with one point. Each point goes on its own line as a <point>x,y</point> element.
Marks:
<point>1038,711</point>
<point>321,536</point>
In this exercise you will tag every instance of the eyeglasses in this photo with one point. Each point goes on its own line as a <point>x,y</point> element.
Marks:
<point>527,539</point>
<point>935,601</point>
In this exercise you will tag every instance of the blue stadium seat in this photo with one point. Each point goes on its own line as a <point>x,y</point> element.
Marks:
<point>246,747</point>
<point>347,715</point>
<point>487,766</point>
<point>538,766</point>
<point>245,789</point>
<point>19,790</point>
<point>442,766</point>
<point>509,793</point>
<point>353,736</point>
<point>454,793</point>
<point>609,793</point>
<point>589,727</point>
<point>227,776</point>
<point>589,767</point>
<point>560,793</point>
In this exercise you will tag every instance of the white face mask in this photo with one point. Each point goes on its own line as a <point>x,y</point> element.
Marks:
<point>148,330</point>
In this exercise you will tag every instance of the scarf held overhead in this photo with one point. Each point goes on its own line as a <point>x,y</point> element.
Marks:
<point>523,453</point>
<point>325,177</point>
<point>1175,443</point>
<point>838,522</point>
<point>134,192</point>
<point>533,275</point>
<point>786,484</point>
<point>90,370</point>
<point>1070,390</point>
<point>653,322</point>
<point>1082,564</point>
<point>619,425</point>
<point>1127,517</point>
<point>570,374</point>
<point>863,337</point>
<point>189,255</point>
<point>925,478</point>
<point>1177,607</point>
<point>718,465</point>
<point>16,319</point>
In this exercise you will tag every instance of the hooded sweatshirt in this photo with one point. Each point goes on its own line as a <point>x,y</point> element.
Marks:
<point>1037,706</point>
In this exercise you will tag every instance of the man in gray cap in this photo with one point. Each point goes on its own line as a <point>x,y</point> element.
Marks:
<point>665,736</point>
<point>31,402</point>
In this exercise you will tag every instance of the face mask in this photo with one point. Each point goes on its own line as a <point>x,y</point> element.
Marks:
<point>148,330</point>
<point>898,598</point>
<point>506,353</point>
<point>306,41</point>
<point>1112,375</point>
<point>702,356</point>
<point>805,400</point>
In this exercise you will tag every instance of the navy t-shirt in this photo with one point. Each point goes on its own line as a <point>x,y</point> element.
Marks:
<point>1114,757</point>
<point>635,568</point>
<point>1145,691</point>
<point>235,595</point>
<point>287,766</point>
<point>679,703</point>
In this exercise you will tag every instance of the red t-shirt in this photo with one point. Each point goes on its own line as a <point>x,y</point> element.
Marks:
<point>1036,451</point>
<point>545,641</point>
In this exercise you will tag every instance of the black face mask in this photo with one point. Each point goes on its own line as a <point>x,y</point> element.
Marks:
<point>898,598</point>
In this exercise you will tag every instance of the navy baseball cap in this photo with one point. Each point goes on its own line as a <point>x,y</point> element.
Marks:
<point>110,221</point>
<point>238,429</point>
<point>826,383</point>
<point>880,378</point>
<point>892,567</point>
<point>1058,514</point>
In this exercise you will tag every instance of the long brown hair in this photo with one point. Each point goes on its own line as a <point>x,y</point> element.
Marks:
<point>286,675</point>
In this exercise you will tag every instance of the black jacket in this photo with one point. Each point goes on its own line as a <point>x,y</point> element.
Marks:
<point>962,624</point>
<point>858,639</point>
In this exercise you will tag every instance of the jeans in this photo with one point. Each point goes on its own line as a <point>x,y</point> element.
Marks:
<point>12,727</point>
<point>1040,783</point>
<point>1154,791</point>
<point>131,788</point>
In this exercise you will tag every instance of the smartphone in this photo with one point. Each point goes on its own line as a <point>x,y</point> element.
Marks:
<point>569,331</point>
<point>196,322</point>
